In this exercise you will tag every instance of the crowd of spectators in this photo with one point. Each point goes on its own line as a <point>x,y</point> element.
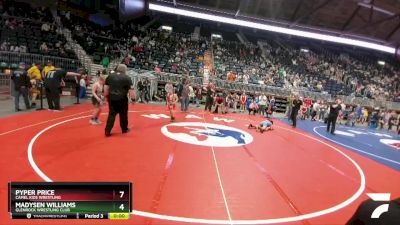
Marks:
<point>31,30</point>
<point>351,115</point>
<point>159,50</point>
<point>100,41</point>
<point>167,52</point>
<point>293,68</point>
<point>273,63</point>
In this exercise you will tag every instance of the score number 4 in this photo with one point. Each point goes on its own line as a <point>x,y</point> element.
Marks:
<point>121,195</point>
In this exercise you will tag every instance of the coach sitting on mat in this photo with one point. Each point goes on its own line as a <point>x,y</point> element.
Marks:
<point>333,115</point>
<point>116,89</point>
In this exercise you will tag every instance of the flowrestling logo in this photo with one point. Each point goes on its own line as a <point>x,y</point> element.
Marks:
<point>206,134</point>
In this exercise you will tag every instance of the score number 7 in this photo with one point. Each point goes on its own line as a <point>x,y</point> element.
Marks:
<point>121,195</point>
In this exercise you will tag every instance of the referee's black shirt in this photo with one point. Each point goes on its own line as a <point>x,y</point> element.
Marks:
<point>53,78</point>
<point>119,85</point>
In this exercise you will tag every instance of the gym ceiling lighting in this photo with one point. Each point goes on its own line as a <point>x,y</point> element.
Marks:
<point>260,26</point>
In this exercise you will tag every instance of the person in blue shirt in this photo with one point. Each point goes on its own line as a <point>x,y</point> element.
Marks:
<point>359,113</point>
<point>263,126</point>
<point>248,102</point>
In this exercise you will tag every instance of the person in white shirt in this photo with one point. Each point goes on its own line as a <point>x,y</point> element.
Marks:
<point>82,87</point>
<point>262,101</point>
<point>45,27</point>
<point>135,40</point>
<point>246,78</point>
<point>316,111</point>
<point>43,47</point>
<point>191,94</point>
<point>168,87</point>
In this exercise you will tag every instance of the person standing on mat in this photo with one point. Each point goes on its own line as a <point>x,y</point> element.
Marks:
<point>334,110</point>
<point>209,97</point>
<point>172,99</point>
<point>97,100</point>
<point>296,104</point>
<point>36,77</point>
<point>243,100</point>
<point>52,83</point>
<point>185,96</point>
<point>116,89</point>
<point>22,84</point>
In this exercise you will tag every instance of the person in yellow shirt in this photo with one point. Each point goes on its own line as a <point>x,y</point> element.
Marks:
<point>47,68</point>
<point>35,76</point>
<point>34,72</point>
<point>365,112</point>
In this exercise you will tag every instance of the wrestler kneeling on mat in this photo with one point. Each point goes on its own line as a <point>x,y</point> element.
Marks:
<point>263,126</point>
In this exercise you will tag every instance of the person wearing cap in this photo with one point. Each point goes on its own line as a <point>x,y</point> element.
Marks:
<point>296,104</point>
<point>22,85</point>
<point>53,83</point>
<point>49,66</point>
<point>117,87</point>
<point>35,76</point>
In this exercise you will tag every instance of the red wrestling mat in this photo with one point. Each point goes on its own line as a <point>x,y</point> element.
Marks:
<point>204,168</point>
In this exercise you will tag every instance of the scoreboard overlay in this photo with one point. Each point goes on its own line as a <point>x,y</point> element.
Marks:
<point>69,200</point>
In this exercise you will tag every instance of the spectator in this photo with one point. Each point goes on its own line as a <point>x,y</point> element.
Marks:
<point>157,70</point>
<point>168,87</point>
<point>45,27</point>
<point>198,96</point>
<point>82,87</point>
<point>262,101</point>
<point>105,62</point>
<point>253,107</point>
<point>44,48</point>
<point>49,66</point>
<point>4,46</point>
<point>185,96</point>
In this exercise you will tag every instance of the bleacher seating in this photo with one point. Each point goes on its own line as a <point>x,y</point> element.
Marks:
<point>23,32</point>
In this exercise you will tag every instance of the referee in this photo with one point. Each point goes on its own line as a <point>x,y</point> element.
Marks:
<point>53,83</point>
<point>116,89</point>
<point>296,104</point>
<point>334,110</point>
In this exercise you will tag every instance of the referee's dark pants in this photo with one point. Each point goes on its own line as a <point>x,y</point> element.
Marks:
<point>331,120</point>
<point>117,107</point>
<point>53,98</point>
<point>293,116</point>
